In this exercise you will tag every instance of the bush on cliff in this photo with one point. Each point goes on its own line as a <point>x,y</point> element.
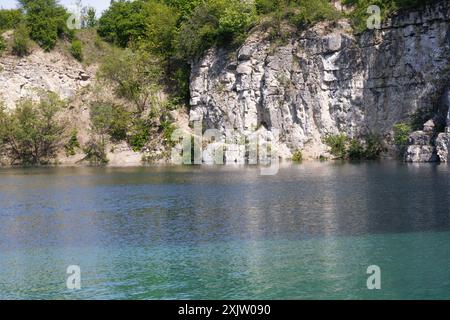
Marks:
<point>401,135</point>
<point>76,49</point>
<point>21,41</point>
<point>10,19</point>
<point>32,133</point>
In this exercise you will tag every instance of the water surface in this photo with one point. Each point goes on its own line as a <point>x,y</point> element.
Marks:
<point>308,232</point>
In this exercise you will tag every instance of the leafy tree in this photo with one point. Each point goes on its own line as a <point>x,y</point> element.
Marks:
<point>32,132</point>
<point>135,74</point>
<point>214,22</point>
<point>111,119</point>
<point>91,18</point>
<point>148,23</point>
<point>46,20</point>
<point>10,19</point>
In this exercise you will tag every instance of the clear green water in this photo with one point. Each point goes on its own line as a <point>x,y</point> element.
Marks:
<point>309,232</point>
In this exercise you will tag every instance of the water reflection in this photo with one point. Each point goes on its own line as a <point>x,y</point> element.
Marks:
<point>182,232</point>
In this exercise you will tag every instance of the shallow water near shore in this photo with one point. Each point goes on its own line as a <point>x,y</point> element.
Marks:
<point>309,232</point>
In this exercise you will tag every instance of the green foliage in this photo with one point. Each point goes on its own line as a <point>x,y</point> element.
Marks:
<point>140,135</point>
<point>313,11</point>
<point>72,145</point>
<point>110,119</point>
<point>32,132</point>
<point>76,49</point>
<point>342,147</point>
<point>401,135</point>
<point>373,147</point>
<point>46,20</point>
<point>150,23</point>
<point>135,74</point>
<point>168,128</point>
<point>355,150</point>
<point>297,156</point>
<point>21,41</point>
<point>359,14</point>
<point>91,19</point>
<point>95,152</point>
<point>337,145</point>
<point>214,22</point>
<point>10,19</point>
<point>2,45</point>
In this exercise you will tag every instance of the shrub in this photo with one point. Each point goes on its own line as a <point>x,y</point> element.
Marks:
<point>401,135</point>
<point>21,41</point>
<point>76,49</point>
<point>95,152</point>
<point>10,19</point>
<point>32,132</point>
<point>72,145</point>
<point>356,150</point>
<point>135,74</point>
<point>111,119</point>
<point>359,14</point>
<point>140,135</point>
<point>2,45</point>
<point>168,129</point>
<point>313,11</point>
<point>374,147</point>
<point>337,145</point>
<point>297,156</point>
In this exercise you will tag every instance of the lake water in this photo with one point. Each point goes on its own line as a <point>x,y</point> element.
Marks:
<point>309,232</point>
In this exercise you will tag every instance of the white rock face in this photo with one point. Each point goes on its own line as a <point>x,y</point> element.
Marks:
<point>22,77</point>
<point>443,147</point>
<point>325,82</point>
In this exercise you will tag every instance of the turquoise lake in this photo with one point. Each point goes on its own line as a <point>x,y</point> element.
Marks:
<point>309,232</point>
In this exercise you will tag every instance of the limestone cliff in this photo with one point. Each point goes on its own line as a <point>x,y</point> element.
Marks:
<point>326,80</point>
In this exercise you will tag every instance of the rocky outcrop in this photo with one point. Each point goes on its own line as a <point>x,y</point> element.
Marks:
<point>326,80</point>
<point>22,77</point>
<point>443,147</point>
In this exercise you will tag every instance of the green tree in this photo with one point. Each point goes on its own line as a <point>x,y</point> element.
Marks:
<point>46,20</point>
<point>136,76</point>
<point>32,132</point>
<point>214,22</point>
<point>91,18</point>
<point>10,19</point>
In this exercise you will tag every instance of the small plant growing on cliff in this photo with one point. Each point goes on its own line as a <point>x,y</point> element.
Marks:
<point>337,145</point>
<point>401,135</point>
<point>95,151</point>
<point>374,146</point>
<point>21,41</point>
<point>356,150</point>
<point>76,49</point>
<point>297,156</point>
<point>73,144</point>
<point>2,45</point>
